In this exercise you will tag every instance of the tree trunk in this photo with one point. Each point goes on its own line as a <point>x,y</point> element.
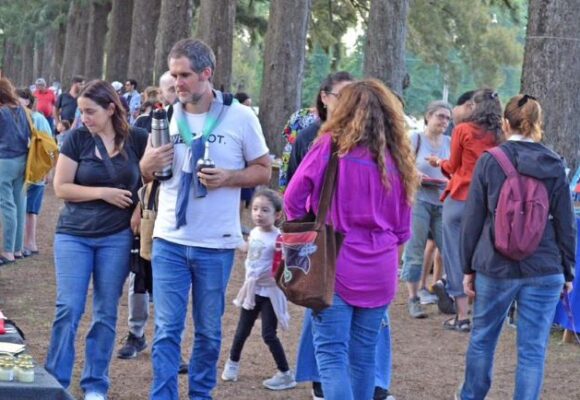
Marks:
<point>283,67</point>
<point>119,40</point>
<point>145,20</point>
<point>551,70</point>
<point>38,59</point>
<point>385,42</point>
<point>26,65</point>
<point>47,48</point>
<point>9,60</point>
<point>216,28</point>
<point>73,61</point>
<point>96,35</point>
<point>174,24</point>
<point>57,57</point>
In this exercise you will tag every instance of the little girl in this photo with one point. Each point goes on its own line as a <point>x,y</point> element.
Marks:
<point>62,129</point>
<point>259,294</point>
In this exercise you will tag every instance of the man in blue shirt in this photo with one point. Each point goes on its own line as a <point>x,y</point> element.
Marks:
<point>133,99</point>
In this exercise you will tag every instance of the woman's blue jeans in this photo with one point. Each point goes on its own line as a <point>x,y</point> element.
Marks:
<point>78,259</point>
<point>536,299</point>
<point>345,338</point>
<point>426,217</point>
<point>307,369</point>
<point>177,271</point>
<point>12,202</point>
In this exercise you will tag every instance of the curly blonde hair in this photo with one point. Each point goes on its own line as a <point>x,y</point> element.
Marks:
<point>369,114</point>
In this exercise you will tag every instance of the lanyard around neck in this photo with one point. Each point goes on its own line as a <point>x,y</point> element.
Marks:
<point>211,121</point>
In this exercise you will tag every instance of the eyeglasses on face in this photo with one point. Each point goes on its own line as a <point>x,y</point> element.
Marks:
<point>443,116</point>
<point>337,95</point>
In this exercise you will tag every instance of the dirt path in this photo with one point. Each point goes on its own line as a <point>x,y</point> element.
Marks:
<point>428,361</point>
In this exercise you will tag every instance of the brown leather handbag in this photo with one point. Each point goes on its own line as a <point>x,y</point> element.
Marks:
<point>310,248</point>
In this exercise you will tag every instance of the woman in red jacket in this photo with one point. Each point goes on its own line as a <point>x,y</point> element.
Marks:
<point>470,139</point>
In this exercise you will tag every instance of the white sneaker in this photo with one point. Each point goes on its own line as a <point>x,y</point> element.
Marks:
<point>94,396</point>
<point>231,371</point>
<point>426,297</point>
<point>280,381</point>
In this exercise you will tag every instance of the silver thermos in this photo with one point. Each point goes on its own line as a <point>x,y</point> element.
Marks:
<point>160,137</point>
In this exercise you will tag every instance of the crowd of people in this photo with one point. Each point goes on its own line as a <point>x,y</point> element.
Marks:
<point>401,198</point>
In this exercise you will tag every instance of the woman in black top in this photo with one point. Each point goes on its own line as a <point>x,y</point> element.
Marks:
<point>97,175</point>
<point>495,280</point>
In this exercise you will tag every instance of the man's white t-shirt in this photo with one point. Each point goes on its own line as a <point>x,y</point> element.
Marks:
<point>213,221</point>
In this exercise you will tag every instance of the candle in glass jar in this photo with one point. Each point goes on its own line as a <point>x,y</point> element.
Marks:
<point>6,371</point>
<point>26,373</point>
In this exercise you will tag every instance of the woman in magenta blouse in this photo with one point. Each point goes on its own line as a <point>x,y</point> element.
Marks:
<point>376,182</point>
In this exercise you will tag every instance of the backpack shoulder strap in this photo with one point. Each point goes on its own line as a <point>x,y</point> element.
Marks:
<point>503,160</point>
<point>418,144</point>
<point>228,98</point>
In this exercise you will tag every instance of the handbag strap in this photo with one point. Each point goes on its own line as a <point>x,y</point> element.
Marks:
<point>105,157</point>
<point>328,186</point>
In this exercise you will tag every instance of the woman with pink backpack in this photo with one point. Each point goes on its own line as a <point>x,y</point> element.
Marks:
<point>517,244</point>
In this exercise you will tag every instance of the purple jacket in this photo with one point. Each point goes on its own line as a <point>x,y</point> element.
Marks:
<point>375,220</point>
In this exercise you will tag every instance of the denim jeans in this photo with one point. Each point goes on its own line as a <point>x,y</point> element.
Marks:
<point>77,259</point>
<point>452,215</point>
<point>177,270</point>
<point>345,339</point>
<point>426,217</point>
<point>307,369</point>
<point>536,299</point>
<point>12,202</point>
<point>138,305</point>
<point>384,354</point>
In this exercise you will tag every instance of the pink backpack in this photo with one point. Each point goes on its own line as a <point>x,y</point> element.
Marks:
<point>521,213</point>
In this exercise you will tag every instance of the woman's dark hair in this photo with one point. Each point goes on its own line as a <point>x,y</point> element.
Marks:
<point>65,124</point>
<point>272,196</point>
<point>241,97</point>
<point>8,94</point>
<point>487,112</point>
<point>26,94</point>
<point>102,93</point>
<point>326,86</point>
<point>146,105</point>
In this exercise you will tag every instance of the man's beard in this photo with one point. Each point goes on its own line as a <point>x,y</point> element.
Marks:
<point>194,99</point>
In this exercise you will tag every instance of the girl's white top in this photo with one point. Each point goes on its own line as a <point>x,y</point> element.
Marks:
<point>259,279</point>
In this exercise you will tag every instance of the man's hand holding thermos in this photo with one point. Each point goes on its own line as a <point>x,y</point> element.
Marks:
<point>158,157</point>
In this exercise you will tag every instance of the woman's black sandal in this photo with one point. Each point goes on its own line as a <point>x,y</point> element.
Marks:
<point>454,324</point>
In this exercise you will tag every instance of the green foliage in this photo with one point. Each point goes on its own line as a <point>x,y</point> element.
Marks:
<point>247,68</point>
<point>316,69</point>
<point>252,18</point>
<point>446,30</point>
<point>329,22</point>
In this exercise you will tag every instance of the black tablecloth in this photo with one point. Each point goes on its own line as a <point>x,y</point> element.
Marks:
<point>45,387</point>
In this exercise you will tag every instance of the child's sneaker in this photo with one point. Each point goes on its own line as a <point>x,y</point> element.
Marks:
<point>231,371</point>
<point>280,381</point>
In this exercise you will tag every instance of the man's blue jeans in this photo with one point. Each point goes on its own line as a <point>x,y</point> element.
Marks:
<point>536,301</point>
<point>77,259</point>
<point>345,338</point>
<point>177,270</point>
